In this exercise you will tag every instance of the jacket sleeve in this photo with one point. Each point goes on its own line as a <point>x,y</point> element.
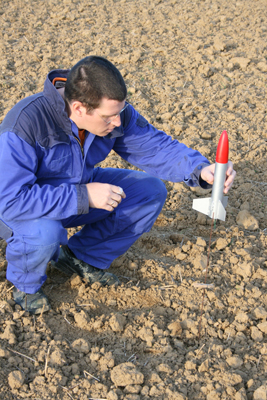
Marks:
<point>157,153</point>
<point>21,198</point>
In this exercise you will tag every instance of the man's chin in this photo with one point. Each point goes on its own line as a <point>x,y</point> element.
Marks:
<point>108,131</point>
<point>104,133</point>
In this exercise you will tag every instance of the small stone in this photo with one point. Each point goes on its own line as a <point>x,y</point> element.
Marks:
<point>262,327</point>
<point>256,334</point>
<point>201,219</point>
<point>263,350</point>
<point>81,346</point>
<point>154,378</point>
<point>112,302</point>
<point>4,353</point>
<point>234,379</point>
<point>200,261</point>
<point>247,221</point>
<point>117,322</point>
<point>260,393</point>
<point>146,335</point>
<point>234,361</point>
<point>190,365</point>
<point>16,379</point>
<point>57,357</point>
<point>213,395</point>
<point>260,312</point>
<point>179,255</point>
<point>175,328</point>
<point>206,135</point>
<point>75,281</point>
<point>241,62</point>
<point>132,389</point>
<point>221,243</point>
<point>167,116</point>
<point>39,380</point>
<point>188,324</point>
<point>133,266</point>
<point>244,270</point>
<point>204,366</point>
<point>112,395</point>
<point>81,319</point>
<point>164,368</point>
<point>241,394</point>
<point>201,242</point>
<point>131,90</point>
<point>205,70</point>
<point>218,44</point>
<point>242,317</point>
<point>262,66</point>
<point>126,374</point>
<point>132,397</point>
<point>9,335</point>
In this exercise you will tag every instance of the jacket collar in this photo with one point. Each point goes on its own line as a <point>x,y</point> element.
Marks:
<point>52,95</point>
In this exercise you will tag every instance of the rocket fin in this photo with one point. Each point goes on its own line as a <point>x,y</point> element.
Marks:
<point>220,211</point>
<point>203,205</point>
<point>225,201</point>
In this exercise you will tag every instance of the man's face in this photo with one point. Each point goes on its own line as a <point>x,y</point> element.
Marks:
<point>100,121</point>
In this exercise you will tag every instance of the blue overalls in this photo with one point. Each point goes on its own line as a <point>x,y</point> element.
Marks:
<point>43,192</point>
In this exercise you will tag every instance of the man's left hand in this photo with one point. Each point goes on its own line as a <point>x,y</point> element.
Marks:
<point>207,174</point>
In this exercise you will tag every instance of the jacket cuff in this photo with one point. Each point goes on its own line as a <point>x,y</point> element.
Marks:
<point>197,178</point>
<point>82,199</point>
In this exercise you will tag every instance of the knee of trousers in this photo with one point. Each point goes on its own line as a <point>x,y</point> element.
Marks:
<point>40,232</point>
<point>144,206</point>
<point>153,189</point>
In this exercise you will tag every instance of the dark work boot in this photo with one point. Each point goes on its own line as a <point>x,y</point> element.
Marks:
<point>34,303</point>
<point>69,264</point>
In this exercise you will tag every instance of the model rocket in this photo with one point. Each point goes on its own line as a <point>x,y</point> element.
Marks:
<point>214,206</point>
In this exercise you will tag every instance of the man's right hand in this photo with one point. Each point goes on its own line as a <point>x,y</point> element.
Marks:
<point>104,195</point>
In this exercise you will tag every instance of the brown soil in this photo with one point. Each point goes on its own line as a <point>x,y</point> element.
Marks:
<point>193,68</point>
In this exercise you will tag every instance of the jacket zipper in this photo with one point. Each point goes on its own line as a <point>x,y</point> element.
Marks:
<point>79,145</point>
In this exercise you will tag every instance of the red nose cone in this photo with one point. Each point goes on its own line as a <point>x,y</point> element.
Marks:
<point>223,149</point>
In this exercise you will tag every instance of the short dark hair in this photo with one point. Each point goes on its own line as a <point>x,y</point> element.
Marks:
<point>92,79</point>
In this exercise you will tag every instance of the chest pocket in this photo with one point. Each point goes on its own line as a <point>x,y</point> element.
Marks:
<point>62,166</point>
<point>57,162</point>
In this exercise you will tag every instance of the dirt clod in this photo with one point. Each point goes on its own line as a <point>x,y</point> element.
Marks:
<point>126,374</point>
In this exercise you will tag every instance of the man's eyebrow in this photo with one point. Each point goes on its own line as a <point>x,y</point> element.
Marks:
<point>103,115</point>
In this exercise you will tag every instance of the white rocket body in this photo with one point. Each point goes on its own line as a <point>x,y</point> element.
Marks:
<point>214,206</point>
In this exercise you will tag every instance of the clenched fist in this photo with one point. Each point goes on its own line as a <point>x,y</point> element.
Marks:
<point>104,195</point>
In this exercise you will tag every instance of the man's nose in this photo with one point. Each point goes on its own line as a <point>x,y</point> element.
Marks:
<point>117,121</point>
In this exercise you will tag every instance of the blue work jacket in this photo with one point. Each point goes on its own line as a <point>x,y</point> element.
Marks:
<point>44,170</point>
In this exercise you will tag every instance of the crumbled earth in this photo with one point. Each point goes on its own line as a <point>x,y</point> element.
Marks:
<point>193,69</point>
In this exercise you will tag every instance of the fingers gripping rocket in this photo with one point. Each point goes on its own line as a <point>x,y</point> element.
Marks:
<point>214,206</point>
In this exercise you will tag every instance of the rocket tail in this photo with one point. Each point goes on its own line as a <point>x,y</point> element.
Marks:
<point>205,206</point>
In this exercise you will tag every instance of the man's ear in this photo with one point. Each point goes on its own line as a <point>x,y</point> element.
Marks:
<point>77,109</point>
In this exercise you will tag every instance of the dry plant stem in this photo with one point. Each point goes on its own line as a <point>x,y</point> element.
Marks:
<point>8,290</point>
<point>42,312</point>
<point>66,391</point>
<point>203,285</point>
<point>93,398</point>
<point>199,350</point>
<point>181,279</point>
<point>46,360</point>
<point>23,355</point>
<point>204,290</point>
<point>92,376</point>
